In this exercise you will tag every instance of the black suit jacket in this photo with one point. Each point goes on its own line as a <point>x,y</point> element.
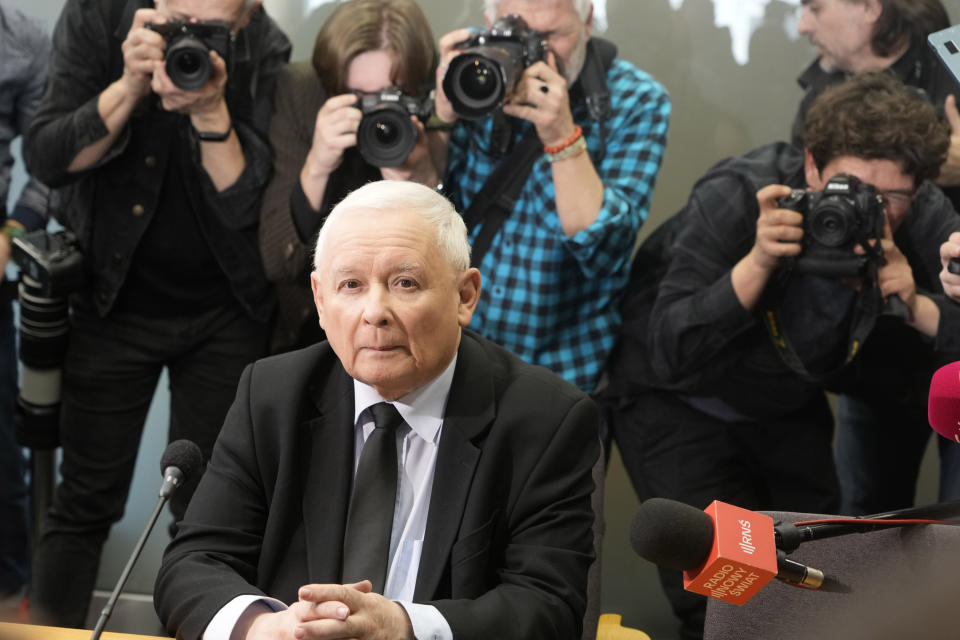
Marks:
<point>508,540</point>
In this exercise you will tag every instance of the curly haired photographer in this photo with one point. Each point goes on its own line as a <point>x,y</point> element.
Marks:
<point>746,332</point>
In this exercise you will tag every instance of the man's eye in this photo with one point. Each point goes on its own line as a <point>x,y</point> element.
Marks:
<point>406,283</point>
<point>349,284</point>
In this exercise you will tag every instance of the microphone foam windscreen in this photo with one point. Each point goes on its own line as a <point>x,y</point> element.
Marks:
<point>943,407</point>
<point>184,455</point>
<point>671,534</point>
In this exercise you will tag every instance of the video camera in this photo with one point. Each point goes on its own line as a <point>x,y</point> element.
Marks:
<point>50,269</point>
<point>485,74</point>
<point>188,50</point>
<point>847,213</point>
<point>386,135</point>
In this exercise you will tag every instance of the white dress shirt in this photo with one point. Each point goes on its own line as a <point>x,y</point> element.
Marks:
<point>418,441</point>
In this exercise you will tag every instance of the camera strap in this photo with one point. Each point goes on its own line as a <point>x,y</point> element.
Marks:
<point>868,306</point>
<point>495,200</point>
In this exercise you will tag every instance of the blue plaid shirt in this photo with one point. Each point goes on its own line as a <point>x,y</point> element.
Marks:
<point>554,300</point>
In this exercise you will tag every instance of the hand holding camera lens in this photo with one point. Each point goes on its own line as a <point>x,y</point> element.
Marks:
<point>541,97</point>
<point>779,229</point>
<point>142,53</point>
<point>449,49</point>
<point>335,131</point>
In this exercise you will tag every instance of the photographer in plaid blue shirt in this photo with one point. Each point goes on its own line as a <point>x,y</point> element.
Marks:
<point>558,265</point>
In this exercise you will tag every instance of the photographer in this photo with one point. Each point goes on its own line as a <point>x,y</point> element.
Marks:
<point>153,125</point>
<point>721,414</point>
<point>364,47</point>
<point>596,126</point>
<point>882,415</point>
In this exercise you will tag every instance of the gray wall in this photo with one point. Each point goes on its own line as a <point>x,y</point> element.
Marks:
<point>720,108</point>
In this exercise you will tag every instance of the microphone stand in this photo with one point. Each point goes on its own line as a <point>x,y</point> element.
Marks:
<point>789,536</point>
<point>112,600</point>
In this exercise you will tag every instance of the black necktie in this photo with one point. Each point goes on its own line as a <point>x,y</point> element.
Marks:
<point>366,542</point>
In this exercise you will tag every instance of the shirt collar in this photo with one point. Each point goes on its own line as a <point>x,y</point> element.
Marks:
<point>422,408</point>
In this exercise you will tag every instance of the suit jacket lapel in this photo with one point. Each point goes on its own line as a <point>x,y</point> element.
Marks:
<point>470,409</point>
<point>327,464</point>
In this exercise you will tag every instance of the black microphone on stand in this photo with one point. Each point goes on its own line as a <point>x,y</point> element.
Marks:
<point>180,461</point>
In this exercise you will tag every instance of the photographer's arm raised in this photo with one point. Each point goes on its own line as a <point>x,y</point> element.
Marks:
<point>779,232</point>
<point>223,160</point>
<point>896,278</point>
<point>542,98</point>
<point>142,54</point>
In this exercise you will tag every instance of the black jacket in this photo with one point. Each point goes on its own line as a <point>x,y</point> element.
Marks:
<point>129,179</point>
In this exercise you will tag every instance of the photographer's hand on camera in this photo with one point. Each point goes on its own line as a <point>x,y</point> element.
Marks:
<point>779,232</point>
<point>206,106</point>
<point>335,131</point>
<point>223,159</point>
<point>541,97</point>
<point>950,273</point>
<point>895,278</point>
<point>142,54</point>
<point>448,51</point>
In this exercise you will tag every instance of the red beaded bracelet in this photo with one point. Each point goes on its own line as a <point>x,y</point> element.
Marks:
<point>577,132</point>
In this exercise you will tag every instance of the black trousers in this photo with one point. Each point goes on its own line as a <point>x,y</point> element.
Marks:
<point>671,450</point>
<point>110,377</point>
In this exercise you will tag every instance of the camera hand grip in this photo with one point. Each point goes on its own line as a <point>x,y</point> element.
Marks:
<point>896,307</point>
<point>954,266</point>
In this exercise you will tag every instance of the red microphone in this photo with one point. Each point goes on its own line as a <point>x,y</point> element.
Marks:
<point>742,559</point>
<point>725,552</point>
<point>943,407</point>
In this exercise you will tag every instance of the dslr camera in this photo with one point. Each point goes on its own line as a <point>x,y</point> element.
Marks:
<point>845,214</point>
<point>485,74</point>
<point>386,136</point>
<point>51,267</point>
<point>187,59</point>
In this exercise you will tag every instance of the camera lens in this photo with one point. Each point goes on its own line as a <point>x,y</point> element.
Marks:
<point>386,136</point>
<point>832,223</point>
<point>481,78</point>
<point>386,133</point>
<point>188,63</point>
<point>478,81</point>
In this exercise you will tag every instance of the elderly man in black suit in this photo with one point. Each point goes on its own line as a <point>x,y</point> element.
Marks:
<point>489,530</point>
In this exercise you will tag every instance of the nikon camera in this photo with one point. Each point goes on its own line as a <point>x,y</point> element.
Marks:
<point>188,50</point>
<point>485,74</point>
<point>50,269</point>
<point>386,136</point>
<point>845,214</point>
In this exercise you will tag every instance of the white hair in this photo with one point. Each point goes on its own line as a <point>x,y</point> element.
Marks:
<point>582,8</point>
<point>393,195</point>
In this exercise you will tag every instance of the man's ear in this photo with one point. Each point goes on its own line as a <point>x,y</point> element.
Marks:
<point>468,286</point>
<point>317,294</point>
<point>873,10</point>
<point>588,25</point>
<point>811,171</point>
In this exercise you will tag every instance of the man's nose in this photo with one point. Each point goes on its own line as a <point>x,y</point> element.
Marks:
<point>805,25</point>
<point>376,308</point>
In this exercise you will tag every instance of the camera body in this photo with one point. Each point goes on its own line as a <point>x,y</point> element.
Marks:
<point>51,267</point>
<point>386,136</point>
<point>485,74</point>
<point>187,59</point>
<point>845,214</point>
